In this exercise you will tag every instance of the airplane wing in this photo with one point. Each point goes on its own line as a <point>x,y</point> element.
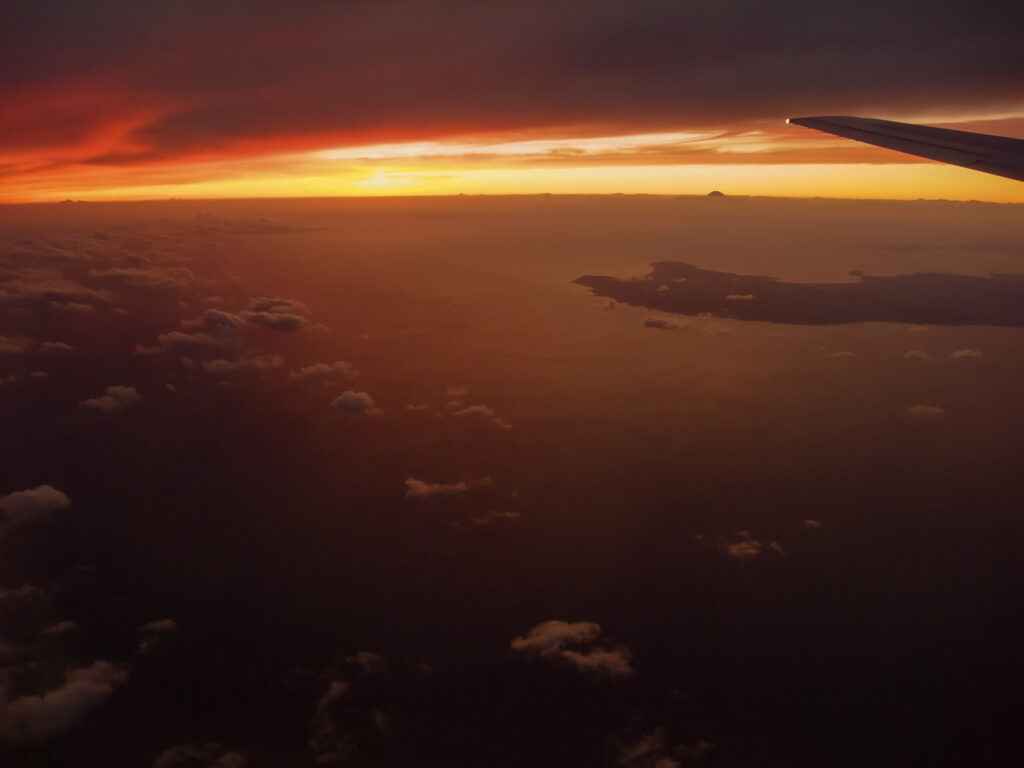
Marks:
<point>992,154</point>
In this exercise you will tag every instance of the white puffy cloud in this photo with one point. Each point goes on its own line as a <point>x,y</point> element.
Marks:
<point>551,637</point>
<point>550,640</point>
<point>60,628</point>
<point>421,408</point>
<point>38,717</point>
<point>964,354</point>
<point>143,277</point>
<point>24,593</point>
<point>115,399</point>
<point>355,402</point>
<point>179,342</point>
<point>277,321</point>
<point>47,285</point>
<point>10,345</point>
<point>483,413</point>
<point>325,372</point>
<point>925,412</point>
<point>27,506</point>
<point>368,661</point>
<point>917,354</point>
<point>744,546</point>
<point>651,750</point>
<point>739,297</point>
<point>278,305</point>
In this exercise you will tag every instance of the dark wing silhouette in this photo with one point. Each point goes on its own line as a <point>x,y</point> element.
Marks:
<point>979,151</point>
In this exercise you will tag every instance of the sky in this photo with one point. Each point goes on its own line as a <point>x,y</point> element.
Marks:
<point>178,98</point>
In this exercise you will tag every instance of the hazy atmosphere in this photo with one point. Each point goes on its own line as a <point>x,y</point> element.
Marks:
<point>453,384</point>
<point>375,483</point>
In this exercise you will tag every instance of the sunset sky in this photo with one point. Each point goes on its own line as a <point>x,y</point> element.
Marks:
<point>129,100</point>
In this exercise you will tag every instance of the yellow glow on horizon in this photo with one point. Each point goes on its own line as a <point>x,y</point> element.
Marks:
<point>895,181</point>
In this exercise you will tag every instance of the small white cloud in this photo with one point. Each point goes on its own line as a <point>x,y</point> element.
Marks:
<point>843,353</point>
<point>456,391</point>
<point>917,354</point>
<point>355,402</point>
<point>278,305</point>
<point>368,661</point>
<point>484,413</point>
<point>743,546</point>
<point>39,375</point>
<point>492,517</point>
<point>10,345</point>
<point>38,717</point>
<point>739,297</point>
<point>55,347</point>
<point>926,411</point>
<point>551,640</point>
<point>259,363</point>
<point>325,372</point>
<point>664,287</point>
<point>115,399</point>
<point>421,408</point>
<point>652,750</point>
<point>421,488</point>
<point>60,628</point>
<point>812,524</point>
<point>963,354</point>
<point>23,507</point>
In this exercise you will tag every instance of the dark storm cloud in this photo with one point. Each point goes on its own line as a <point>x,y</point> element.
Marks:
<point>189,76</point>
